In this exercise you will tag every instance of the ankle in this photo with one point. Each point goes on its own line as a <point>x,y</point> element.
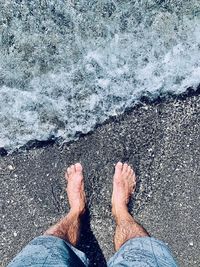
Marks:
<point>119,211</point>
<point>77,212</point>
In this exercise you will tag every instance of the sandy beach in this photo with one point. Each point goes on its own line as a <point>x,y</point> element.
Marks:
<point>162,142</point>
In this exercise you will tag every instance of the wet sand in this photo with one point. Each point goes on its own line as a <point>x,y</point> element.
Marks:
<point>161,140</point>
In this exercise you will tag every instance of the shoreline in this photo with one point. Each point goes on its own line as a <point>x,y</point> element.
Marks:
<point>161,140</point>
<point>143,100</point>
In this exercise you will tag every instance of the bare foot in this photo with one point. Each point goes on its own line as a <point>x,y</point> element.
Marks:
<point>75,188</point>
<point>124,183</point>
<point>68,228</point>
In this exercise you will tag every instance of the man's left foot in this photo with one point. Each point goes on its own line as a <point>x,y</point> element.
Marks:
<point>75,188</point>
<point>68,227</point>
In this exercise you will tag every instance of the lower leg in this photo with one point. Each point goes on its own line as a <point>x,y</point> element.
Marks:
<point>68,228</point>
<point>124,182</point>
<point>127,228</point>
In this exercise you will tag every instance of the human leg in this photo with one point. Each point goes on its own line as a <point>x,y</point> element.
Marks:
<point>56,246</point>
<point>68,228</point>
<point>124,182</point>
<point>133,244</point>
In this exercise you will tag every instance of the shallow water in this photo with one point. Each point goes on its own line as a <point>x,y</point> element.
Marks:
<point>67,65</point>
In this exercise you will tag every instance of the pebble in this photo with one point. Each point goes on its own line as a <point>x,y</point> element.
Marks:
<point>10,167</point>
<point>15,234</point>
<point>191,243</point>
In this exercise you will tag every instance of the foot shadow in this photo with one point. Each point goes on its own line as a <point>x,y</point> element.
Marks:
<point>89,244</point>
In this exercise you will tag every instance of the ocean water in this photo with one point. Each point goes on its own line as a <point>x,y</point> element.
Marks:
<point>67,65</point>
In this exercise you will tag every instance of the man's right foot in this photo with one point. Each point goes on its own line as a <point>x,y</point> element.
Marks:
<point>124,183</point>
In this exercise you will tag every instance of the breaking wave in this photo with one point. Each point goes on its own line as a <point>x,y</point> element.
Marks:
<point>67,65</point>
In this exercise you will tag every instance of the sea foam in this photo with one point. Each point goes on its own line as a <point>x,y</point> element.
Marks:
<point>67,65</point>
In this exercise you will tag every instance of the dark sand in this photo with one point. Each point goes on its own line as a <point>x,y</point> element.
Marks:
<point>162,142</point>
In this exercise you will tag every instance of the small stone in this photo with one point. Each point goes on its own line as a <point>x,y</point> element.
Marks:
<point>15,234</point>
<point>10,167</point>
<point>191,243</point>
<point>145,107</point>
<point>3,152</point>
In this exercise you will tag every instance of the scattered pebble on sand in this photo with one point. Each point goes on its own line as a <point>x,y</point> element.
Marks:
<point>191,243</point>
<point>11,168</point>
<point>15,234</point>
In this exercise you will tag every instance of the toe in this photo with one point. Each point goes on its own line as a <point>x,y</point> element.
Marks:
<point>134,180</point>
<point>129,169</point>
<point>68,171</point>
<point>125,168</point>
<point>78,167</point>
<point>72,169</point>
<point>118,168</point>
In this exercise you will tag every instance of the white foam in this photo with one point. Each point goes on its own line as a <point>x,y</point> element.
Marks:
<point>65,67</point>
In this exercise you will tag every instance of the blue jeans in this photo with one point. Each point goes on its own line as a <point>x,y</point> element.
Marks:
<point>49,251</point>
